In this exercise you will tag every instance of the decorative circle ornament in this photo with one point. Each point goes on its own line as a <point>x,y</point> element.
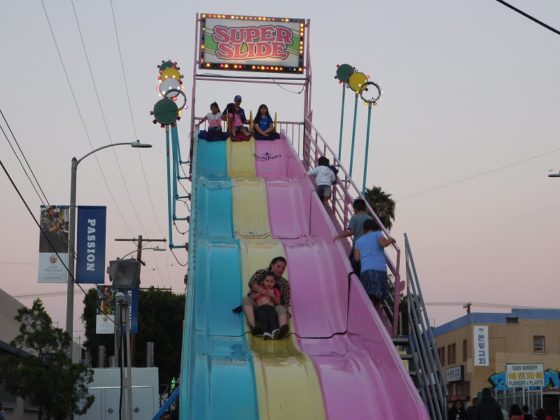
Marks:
<point>167,64</point>
<point>165,112</point>
<point>370,92</point>
<point>170,72</point>
<point>168,85</point>
<point>343,72</point>
<point>173,94</point>
<point>357,81</point>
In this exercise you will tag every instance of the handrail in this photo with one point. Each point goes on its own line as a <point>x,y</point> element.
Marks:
<point>172,398</point>
<point>430,371</point>
<point>342,200</point>
<point>190,284</point>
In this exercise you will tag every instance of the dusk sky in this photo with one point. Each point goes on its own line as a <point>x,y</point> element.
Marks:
<point>463,138</point>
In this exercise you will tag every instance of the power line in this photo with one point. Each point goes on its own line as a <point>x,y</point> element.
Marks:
<point>43,199</point>
<point>39,226</point>
<point>468,178</point>
<point>528,16</point>
<point>24,157</point>
<point>122,68</point>
<point>484,305</point>
<point>82,118</point>
<point>43,294</point>
<point>127,91</point>
<point>16,263</point>
<point>103,117</point>
<point>22,166</point>
<point>43,232</point>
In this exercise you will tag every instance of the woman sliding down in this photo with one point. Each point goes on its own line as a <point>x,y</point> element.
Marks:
<point>277,267</point>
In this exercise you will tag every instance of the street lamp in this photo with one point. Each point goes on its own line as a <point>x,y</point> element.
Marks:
<point>153,248</point>
<point>72,231</point>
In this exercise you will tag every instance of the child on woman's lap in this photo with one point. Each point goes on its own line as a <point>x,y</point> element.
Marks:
<point>265,312</point>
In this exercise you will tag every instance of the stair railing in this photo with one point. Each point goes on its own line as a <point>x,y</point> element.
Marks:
<point>431,379</point>
<point>344,193</point>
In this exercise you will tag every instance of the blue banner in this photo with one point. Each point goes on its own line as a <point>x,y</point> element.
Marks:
<point>90,244</point>
<point>134,294</point>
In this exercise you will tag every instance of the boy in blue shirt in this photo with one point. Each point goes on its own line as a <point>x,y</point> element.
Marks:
<point>369,251</point>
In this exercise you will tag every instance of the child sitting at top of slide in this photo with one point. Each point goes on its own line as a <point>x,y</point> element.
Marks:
<point>265,313</point>
<point>324,179</point>
<point>214,118</point>
<point>263,125</point>
<point>235,116</point>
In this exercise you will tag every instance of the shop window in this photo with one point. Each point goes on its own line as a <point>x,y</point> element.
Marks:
<point>538,344</point>
<point>441,355</point>
<point>451,354</point>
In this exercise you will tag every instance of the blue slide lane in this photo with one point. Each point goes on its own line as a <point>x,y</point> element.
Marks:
<point>217,376</point>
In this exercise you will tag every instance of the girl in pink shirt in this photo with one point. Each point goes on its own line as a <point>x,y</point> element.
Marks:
<point>265,312</point>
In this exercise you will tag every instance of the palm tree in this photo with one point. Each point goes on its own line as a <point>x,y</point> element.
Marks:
<point>382,204</point>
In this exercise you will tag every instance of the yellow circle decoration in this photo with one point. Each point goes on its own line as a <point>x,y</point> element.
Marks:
<point>357,81</point>
<point>170,72</point>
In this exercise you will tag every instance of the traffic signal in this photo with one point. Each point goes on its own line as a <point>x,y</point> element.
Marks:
<point>125,274</point>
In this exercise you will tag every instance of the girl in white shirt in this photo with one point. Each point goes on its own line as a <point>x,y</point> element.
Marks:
<point>214,119</point>
<point>324,179</point>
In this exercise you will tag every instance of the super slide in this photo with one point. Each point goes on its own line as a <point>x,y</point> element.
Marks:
<point>251,202</point>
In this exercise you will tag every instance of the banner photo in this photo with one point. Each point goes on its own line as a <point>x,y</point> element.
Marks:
<point>90,244</point>
<point>481,351</point>
<point>105,311</point>
<point>54,225</point>
<point>251,43</point>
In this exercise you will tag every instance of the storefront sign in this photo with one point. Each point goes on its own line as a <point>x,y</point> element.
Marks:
<point>250,43</point>
<point>454,374</point>
<point>551,379</point>
<point>524,375</point>
<point>480,340</point>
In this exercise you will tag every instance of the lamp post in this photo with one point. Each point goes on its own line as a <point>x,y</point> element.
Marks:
<point>72,232</point>
<point>153,248</point>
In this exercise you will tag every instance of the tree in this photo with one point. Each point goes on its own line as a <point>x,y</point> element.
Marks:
<point>47,375</point>
<point>160,319</point>
<point>382,204</point>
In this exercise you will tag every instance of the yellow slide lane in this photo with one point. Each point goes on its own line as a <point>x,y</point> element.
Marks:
<point>287,383</point>
<point>250,209</point>
<point>241,159</point>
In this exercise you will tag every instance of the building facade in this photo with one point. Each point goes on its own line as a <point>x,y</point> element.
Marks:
<point>476,349</point>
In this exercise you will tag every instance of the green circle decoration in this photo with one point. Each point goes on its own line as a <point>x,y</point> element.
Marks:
<point>167,64</point>
<point>166,111</point>
<point>343,72</point>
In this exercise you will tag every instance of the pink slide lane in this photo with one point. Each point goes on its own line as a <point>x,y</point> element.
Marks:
<point>361,374</point>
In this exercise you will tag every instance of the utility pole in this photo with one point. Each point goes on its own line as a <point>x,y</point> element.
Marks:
<point>140,242</point>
